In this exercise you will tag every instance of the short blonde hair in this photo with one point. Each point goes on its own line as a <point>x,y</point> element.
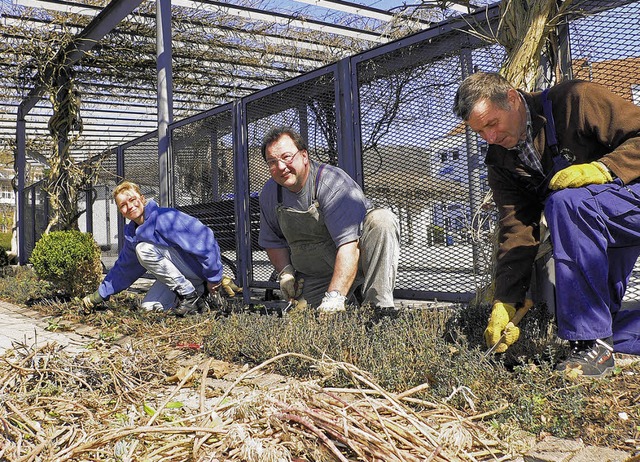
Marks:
<point>126,186</point>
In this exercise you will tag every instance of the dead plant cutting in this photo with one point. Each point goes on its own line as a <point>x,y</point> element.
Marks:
<point>116,404</point>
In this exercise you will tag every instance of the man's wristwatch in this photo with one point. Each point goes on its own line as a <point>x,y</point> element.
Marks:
<point>334,294</point>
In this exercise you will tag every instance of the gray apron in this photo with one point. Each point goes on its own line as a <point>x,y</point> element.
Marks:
<point>313,252</point>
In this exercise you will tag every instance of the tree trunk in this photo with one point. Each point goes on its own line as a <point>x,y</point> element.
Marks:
<point>526,27</point>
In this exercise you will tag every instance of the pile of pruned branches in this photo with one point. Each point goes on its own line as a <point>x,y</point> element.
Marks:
<point>123,405</point>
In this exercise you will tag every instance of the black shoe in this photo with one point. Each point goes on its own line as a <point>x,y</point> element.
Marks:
<point>589,358</point>
<point>190,304</point>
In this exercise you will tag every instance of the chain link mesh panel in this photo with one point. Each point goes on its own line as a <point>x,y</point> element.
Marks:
<point>419,161</point>
<point>202,154</point>
<point>142,167</point>
<point>308,107</point>
<point>203,178</point>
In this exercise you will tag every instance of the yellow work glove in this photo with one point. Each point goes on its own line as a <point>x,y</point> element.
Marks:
<point>230,287</point>
<point>92,300</point>
<point>579,175</point>
<point>499,323</point>
<point>289,287</point>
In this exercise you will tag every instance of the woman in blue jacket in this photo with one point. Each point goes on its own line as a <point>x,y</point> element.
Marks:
<point>178,249</point>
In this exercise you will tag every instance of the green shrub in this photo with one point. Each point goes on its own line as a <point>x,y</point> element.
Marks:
<point>4,258</point>
<point>5,245</point>
<point>5,241</point>
<point>69,260</point>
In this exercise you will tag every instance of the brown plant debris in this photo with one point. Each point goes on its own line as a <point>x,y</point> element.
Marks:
<point>117,404</point>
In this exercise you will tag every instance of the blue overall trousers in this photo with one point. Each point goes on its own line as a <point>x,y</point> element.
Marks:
<point>595,233</point>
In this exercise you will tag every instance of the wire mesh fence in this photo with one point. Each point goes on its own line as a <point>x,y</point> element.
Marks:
<point>385,117</point>
<point>140,161</point>
<point>203,176</point>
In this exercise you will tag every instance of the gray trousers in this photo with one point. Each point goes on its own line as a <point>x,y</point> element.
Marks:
<point>173,276</point>
<point>378,264</point>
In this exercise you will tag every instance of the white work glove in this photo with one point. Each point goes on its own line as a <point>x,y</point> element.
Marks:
<point>332,302</point>
<point>289,287</point>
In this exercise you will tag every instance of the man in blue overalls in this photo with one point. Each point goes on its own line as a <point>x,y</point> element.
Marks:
<point>572,151</point>
<point>316,225</point>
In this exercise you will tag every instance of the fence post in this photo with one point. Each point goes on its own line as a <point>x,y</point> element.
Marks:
<point>349,159</point>
<point>165,96</point>
<point>241,194</point>
<point>564,50</point>
<point>120,175</point>
<point>21,139</point>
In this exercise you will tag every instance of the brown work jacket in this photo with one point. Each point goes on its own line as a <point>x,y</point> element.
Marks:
<point>591,124</point>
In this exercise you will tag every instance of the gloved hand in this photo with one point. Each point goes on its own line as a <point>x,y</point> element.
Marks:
<point>332,302</point>
<point>92,300</point>
<point>579,175</point>
<point>230,287</point>
<point>499,323</point>
<point>289,287</point>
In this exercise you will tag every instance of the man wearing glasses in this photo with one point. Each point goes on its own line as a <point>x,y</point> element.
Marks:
<point>321,233</point>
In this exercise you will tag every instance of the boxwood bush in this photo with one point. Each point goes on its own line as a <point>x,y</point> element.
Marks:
<point>69,260</point>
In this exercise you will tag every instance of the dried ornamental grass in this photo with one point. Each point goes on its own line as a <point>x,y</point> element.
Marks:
<point>100,406</point>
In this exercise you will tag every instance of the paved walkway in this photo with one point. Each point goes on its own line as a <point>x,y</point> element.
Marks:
<point>22,326</point>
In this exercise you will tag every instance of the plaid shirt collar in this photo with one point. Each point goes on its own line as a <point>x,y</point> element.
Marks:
<point>525,149</point>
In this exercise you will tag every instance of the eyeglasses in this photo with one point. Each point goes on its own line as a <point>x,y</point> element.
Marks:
<point>286,158</point>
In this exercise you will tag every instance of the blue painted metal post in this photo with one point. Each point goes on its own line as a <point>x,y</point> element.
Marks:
<point>165,95</point>
<point>120,175</point>
<point>564,50</point>
<point>88,213</point>
<point>241,193</point>
<point>348,159</point>
<point>355,114</point>
<point>21,143</point>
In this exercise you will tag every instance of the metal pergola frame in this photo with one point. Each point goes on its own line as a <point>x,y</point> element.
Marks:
<point>102,117</point>
<point>298,49</point>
